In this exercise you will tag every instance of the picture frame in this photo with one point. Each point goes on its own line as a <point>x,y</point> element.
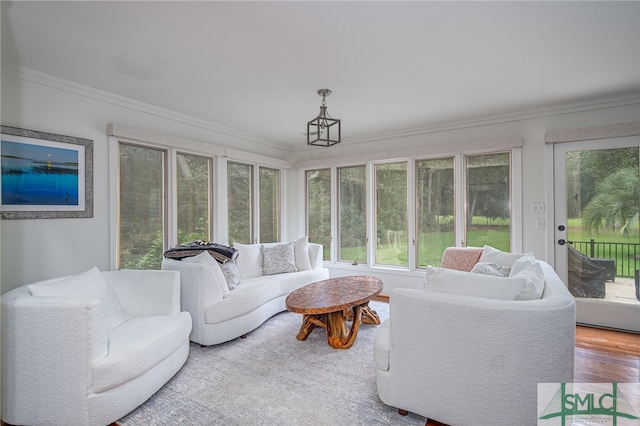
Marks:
<point>45,175</point>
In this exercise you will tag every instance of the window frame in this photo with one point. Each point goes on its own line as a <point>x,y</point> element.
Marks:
<point>255,199</point>
<point>463,238</point>
<point>332,214</point>
<point>116,236</point>
<point>170,220</point>
<point>211,185</point>
<point>408,215</point>
<point>416,241</point>
<point>219,156</point>
<point>278,202</point>
<point>252,200</point>
<point>459,197</point>
<point>339,210</point>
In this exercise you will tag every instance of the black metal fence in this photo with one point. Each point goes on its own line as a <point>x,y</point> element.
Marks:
<point>626,255</point>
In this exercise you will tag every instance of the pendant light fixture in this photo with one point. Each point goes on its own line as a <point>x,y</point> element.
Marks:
<point>323,130</point>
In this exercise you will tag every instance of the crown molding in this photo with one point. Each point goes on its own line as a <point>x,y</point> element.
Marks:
<point>50,81</point>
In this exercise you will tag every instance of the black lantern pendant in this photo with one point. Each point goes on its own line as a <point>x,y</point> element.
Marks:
<point>323,130</point>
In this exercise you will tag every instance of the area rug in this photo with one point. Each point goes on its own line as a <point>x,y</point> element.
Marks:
<point>271,378</point>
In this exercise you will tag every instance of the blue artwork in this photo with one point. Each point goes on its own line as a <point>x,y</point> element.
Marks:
<point>39,175</point>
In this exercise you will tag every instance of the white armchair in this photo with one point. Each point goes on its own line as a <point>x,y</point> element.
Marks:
<point>86,350</point>
<point>465,360</point>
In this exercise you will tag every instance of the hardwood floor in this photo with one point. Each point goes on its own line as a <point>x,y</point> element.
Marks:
<point>605,356</point>
<point>602,356</point>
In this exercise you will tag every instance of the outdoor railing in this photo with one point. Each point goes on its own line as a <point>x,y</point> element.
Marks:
<point>626,255</point>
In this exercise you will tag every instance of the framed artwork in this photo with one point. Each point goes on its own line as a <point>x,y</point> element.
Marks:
<point>44,175</point>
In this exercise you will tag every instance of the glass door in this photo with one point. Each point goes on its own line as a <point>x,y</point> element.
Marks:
<point>597,234</point>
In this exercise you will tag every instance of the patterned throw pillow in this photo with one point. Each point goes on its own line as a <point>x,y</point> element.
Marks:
<point>231,274</point>
<point>278,259</point>
<point>460,258</point>
<point>487,268</point>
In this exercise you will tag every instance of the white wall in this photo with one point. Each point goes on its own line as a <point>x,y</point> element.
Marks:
<point>43,248</point>
<point>39,249</point>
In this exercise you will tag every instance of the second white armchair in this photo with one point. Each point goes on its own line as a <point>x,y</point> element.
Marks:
<point>468,360</point>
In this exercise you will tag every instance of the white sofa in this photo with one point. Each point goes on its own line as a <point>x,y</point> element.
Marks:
<point>88,349</point>
<point>469,360</point>
<point>218,317</point>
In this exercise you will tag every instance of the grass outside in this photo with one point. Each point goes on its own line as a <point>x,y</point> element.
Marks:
<point>492,232</point>
<point>430,246</point>
<point>576,232</point>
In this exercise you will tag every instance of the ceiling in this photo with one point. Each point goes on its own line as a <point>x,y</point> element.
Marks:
<point>392,66</point>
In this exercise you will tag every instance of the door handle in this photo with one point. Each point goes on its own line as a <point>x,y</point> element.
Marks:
<point>561,242</point>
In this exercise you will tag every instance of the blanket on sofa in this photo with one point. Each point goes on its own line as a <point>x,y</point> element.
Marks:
<point>219,252</point>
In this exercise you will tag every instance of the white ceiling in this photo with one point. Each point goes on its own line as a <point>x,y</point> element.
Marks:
<point>392,66</point>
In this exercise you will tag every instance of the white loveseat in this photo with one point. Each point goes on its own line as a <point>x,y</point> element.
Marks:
<point>220,314</point>
<point>469,360</point>
<point>88,349</point>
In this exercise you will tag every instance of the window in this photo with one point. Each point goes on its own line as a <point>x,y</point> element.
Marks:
<point>318,184</point>
<point>243,209</point>
<point>488,200</point>
<point>162,196</point>
<point>435,209</point>
<point>376,211</point>
<point>240,204</point>
<point>352,216</point>
<point>142,207</point>
<point>269,184</point>
<point>391,214</point>
<point>193,178</point>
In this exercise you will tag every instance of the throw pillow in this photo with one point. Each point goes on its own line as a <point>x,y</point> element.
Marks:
<point>249,260</point>
<point>87,285</point>
<point>522,263</point>
<point>231,274</point>
<point>493,255</point>
<point>534,282</point>
<point>303,263</point>
<point>279,259</point>
<point>491,269</point>
<point>218,277</point>
<point>466,283</point>
<point>460,258</point>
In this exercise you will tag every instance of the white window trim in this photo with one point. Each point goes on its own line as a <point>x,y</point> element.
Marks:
<point>120,133</point>
<point>114,193</point>
<point>512,145</point>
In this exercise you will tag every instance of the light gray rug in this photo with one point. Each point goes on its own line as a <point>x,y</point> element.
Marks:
<point>270,378</point>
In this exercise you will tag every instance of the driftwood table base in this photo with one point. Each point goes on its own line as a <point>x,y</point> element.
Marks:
<point>339,335</point>
<point>331,303</point>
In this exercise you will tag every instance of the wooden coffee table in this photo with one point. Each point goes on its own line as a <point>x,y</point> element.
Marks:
<point>331,303</point>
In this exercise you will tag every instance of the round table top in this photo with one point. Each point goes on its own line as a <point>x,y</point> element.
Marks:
<point>334,294</point>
